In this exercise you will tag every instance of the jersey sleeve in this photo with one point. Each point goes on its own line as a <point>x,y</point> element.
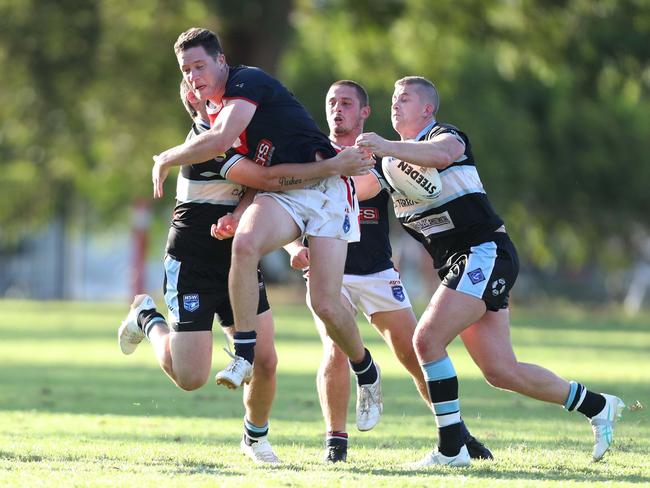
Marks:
<point>250,84</point>
<point>378,172</point>
<point>228,160</point>
<point>445,129</point>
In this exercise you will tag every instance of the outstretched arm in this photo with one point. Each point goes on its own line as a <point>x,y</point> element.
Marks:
<point>288,176</point>
<point>438,152</point>
<point>231,122</point>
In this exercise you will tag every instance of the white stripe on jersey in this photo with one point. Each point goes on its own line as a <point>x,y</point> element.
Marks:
<point>216,192</point>
<point>456,182</point>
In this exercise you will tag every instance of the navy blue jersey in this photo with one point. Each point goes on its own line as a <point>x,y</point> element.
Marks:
<point>372,253</point>
<point>281,129</point>
<point>460,216</point>
<point>203,195</point>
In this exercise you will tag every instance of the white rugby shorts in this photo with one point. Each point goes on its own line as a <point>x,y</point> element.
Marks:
<point>376,292</point>
<point>327,209</point>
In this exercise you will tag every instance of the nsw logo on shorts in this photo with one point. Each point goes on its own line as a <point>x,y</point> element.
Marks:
<point>476,276</point>
<point>191,302</point>
<point>346,224</point>
<point>398,292</point>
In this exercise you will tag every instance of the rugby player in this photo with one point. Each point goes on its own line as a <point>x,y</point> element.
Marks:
<point>478,265</point>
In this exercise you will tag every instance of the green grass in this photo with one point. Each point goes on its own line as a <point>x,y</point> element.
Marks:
<point>75,412</point>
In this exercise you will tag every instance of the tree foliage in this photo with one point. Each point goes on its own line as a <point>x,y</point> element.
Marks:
<point>554,97</point>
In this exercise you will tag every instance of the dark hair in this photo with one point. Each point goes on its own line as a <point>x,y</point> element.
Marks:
<point>185,89</point>
<point>362,94</point>
<point>196,37</point>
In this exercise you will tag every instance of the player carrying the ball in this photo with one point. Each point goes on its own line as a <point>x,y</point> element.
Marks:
<point>478,266</point>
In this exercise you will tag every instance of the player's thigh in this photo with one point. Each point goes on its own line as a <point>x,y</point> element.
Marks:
<point>265,226</point>
<point>488,341</point>
<point>326,263</point>
<point>191,353</point>
<point>397,328</point>
<point>448,313</point>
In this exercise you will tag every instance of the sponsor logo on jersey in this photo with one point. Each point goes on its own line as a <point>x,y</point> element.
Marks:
<point>398,293</point>
<point>264,152</point>
<point>191,302</point>
<point>368,215</point>
<point>432,224</point>
<point>476,276</point>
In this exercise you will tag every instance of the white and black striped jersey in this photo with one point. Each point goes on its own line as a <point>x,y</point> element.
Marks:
<point>461,215</point>
<point>203,195</point>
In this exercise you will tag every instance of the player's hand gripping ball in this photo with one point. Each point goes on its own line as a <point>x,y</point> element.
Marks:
<point>418,183</point>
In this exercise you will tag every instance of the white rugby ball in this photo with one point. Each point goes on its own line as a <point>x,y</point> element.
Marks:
<point>419,183</point>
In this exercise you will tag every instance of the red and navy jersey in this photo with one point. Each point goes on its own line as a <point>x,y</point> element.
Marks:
<point>203,196</point>
<point>281,129</point>
<point>373,252</point>
<point>461,216</point>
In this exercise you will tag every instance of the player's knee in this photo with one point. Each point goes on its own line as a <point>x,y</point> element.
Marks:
<point>266,366</point>
<point>191,381</point>
<point>500,376</point>
<point>326,310</point>
<point>423,342</point>
<point>245,246</point>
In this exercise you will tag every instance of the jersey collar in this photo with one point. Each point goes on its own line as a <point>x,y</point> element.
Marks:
<point>426,129</point>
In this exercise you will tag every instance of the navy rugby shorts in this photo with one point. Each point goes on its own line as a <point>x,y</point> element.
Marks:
<point>487,271</point>
<point>195,293</point>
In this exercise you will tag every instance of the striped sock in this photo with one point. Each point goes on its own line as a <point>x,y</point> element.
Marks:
<point>336,438</point>
<point>253,433</point>
<point>442,384</point>
<point>147,319</point>
<point>584,401</point>
<point>245,345</point>
<point>366,370</point>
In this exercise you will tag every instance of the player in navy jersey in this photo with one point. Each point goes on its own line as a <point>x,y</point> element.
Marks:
<point>257,115</point>
<point>370,282</point>
<point>196,280</point>
<point>478,266</point>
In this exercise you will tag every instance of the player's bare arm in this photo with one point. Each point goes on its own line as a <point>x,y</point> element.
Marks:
<point>298,254</point>
<point>288,176</point>
<point>231,122</point>
<point>439,152</point>
<point>366,186</point>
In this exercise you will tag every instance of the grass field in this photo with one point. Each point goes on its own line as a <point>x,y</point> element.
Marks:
<point>75,412</point>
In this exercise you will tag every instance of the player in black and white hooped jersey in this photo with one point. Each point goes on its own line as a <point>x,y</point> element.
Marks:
<point>478,266</point>
<point>370,282</point>
<point>257,115</point>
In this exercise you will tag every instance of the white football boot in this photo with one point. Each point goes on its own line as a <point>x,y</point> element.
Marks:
<point>261,451</point>
<point>129,335</point>
<point>369,404</point>
<point>603,425</point>
<point>239,371</point>
<point>435,458</point>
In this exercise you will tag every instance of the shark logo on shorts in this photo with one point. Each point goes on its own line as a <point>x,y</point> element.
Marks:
<point>476,276</point>
<point>346,224</point>
<point>398,293</point>
<point>191,302</point>
<point>498,286</point>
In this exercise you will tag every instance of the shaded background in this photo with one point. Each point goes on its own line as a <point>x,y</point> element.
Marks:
<point>553,95</point>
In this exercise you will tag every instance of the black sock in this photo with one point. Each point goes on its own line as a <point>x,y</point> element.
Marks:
<point>366,370</point>
<point>464,433</point>
<point>252,432</point>
<point>245,345</point>
<point>148,318</point>
<point>336,438</point>
<point>592,405</point>
<point>450,439</point>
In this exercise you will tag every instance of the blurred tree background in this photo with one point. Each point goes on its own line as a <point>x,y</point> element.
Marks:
<point>553,95</point>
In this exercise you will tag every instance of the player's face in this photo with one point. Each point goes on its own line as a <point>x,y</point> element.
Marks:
<point>202,72</point>
<point>407,112</point>
<point>344,112</point>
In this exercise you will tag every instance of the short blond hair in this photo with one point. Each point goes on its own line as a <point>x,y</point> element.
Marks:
<point>424,87</point>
